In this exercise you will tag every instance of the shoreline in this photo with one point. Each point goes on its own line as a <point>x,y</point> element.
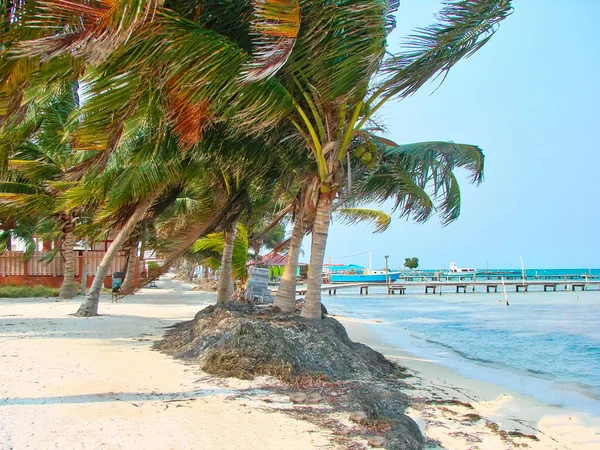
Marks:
<point>436,387</point>
<point>101,384</point>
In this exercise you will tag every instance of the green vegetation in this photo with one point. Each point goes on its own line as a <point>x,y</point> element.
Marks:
<point>200,119</point>
<point>152,266</point>
<point>411,263</point>
<point>27,291</point>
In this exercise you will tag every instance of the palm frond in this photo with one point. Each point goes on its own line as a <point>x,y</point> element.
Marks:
<point>465,26</point>
<point>194,231</point>
<point>351,216</point>
<point>210,249</point>
<point>93,29</point>
<point>275,27</point>
<point>418,175</point>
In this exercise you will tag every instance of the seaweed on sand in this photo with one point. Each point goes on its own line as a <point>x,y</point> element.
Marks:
<point>243,340</point>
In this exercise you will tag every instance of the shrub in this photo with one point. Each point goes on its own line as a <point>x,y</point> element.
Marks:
<point>152,265</point>
<point>27,291</point>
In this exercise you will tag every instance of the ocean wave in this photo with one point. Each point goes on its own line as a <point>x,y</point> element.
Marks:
<point>461,353</point>
<point>423,320</point>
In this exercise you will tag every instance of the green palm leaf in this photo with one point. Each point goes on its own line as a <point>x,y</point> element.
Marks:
<point>416,176</point>
<point>465,26</point>
<point>211,248</point>
<point>351,216</point>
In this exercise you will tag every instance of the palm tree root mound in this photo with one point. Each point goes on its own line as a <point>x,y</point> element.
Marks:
<point>242,340</point>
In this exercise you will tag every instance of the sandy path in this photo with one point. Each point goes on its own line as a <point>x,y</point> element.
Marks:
<point>71,383</point>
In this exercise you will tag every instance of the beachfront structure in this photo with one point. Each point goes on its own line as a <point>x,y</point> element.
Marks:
<point>16,269</point>
<point>275,262</point>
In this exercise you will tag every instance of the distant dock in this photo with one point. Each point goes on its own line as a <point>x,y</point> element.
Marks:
<point>464,286</point>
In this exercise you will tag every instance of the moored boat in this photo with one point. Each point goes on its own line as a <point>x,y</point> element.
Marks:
<point>463,270</point>
<point>364,276</point>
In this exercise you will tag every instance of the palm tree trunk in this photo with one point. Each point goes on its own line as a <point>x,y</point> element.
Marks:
<point>312,302</point>
<point>89,306</point>
<point>131,272</point>
<point>286,294</point>
<point>225,289</point>
<point>68,288</point>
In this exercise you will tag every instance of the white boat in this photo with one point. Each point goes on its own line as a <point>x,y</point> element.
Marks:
<point>455,269</point>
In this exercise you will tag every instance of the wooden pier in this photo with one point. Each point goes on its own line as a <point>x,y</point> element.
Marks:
<point>437,287</point>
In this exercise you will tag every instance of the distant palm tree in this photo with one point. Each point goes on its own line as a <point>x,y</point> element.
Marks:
<point>38,163</point>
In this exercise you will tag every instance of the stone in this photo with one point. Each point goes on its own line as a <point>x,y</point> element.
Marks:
<point>358,416</point>
<point>298,397</point>
<point>376,442</point>
<point>314,398</point>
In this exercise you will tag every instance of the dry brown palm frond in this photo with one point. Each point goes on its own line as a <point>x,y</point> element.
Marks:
<point>188,119</point>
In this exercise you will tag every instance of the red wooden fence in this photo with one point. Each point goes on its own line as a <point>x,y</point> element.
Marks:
<point>14,270</point>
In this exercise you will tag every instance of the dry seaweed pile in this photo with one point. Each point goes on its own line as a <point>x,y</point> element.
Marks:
<point>243,340</point>
<point>206,285</point>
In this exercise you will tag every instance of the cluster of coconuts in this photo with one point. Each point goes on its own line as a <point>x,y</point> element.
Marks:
<point>367,153</point>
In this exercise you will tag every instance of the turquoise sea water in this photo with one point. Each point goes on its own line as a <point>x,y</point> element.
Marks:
<point>546,345</point>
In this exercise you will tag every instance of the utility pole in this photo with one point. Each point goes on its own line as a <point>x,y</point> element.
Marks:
<point>387,272</point>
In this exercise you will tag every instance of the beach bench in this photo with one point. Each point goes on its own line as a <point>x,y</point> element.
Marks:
<point>116,282</point>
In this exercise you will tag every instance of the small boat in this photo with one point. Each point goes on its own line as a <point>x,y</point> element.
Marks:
<point>366,276</point>
<point>455,269</point>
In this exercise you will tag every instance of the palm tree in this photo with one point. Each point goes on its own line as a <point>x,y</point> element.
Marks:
<point>38,163</point>
<point>125,191</point>
<point>419,179</point>
<point>319,67</point>
<point>210,249</point>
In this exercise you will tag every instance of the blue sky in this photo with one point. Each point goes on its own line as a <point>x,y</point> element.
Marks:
<point>531,100</point>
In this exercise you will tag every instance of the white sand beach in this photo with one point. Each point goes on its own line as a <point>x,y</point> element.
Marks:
<point>72,383</point>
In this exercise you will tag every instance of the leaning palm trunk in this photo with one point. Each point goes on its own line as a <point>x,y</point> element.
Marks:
<point>68,288</point>
<point>131,272</point>
<point>225,289</point>
<point>312,302</point>
<point>286,294</point>
<point>89,306</point>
